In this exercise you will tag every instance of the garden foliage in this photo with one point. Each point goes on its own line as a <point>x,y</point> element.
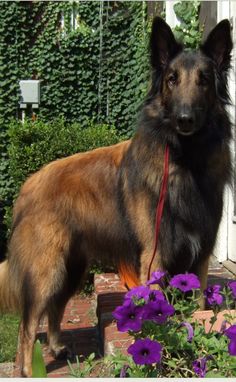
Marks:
<point>190,30</point>
<point>33,144</point>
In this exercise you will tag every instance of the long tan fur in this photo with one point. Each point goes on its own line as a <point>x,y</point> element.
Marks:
<point>8,299</point>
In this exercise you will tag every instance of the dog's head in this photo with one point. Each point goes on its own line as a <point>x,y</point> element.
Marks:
<point>189,84</point>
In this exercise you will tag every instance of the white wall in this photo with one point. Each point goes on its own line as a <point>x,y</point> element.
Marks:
<point>226,243</point>
<point>171,18</point>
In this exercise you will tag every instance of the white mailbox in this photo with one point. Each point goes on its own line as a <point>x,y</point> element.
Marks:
<point>30,93</point>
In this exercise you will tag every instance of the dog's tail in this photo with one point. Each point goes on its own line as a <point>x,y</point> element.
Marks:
<point>128,275</point>
<point>8,299</point>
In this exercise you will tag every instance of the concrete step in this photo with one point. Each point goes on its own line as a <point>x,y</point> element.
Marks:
<point>110,294</point>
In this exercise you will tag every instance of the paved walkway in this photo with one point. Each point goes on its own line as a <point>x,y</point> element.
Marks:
<point>80,330</point>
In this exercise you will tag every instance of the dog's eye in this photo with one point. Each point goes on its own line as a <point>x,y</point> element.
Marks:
<point>203,79</point>
<point>172,79</point>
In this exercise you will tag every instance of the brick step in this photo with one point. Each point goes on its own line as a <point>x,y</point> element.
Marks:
<point>110,294</point>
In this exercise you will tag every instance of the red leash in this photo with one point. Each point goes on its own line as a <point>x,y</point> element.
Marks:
<point>160,205</point>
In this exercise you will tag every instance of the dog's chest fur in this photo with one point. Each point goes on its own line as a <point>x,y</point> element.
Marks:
<point>191,215</point>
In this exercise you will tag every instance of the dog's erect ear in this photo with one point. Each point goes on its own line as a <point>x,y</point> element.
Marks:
<point>218,45</point>
<point>163,45</point>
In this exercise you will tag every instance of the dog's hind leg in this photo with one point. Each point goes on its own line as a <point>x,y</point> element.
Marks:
<point>34,305</point>
<point>40,284</point>
<point>75,271</point>
<point>55,315</point>
<point>27,335</point>
<point>34,308</point>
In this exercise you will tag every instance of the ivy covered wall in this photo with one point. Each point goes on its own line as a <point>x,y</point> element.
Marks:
<point>96,69</point>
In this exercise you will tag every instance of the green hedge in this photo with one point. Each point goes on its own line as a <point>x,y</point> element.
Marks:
<point>33,144</point>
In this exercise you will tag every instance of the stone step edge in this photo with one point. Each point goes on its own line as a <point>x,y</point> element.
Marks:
<point>110,293</point>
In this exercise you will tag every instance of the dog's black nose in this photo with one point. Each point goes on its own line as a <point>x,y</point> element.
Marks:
<point>185,119</point>
<point>185,123</point>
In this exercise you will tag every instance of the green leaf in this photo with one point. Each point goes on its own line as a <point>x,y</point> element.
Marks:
<point>213,374</point>
<point>38,365</point>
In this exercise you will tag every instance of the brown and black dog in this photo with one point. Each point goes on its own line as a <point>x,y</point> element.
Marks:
<point>101,204</point>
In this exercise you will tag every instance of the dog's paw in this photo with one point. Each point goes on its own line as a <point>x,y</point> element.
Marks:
<point>61,352</point>
<point>26,372</point>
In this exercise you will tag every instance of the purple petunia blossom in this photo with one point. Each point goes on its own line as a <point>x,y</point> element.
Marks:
<point>232,286</point>
<point>128,316</point>
<point>199,366</point>
<point>189,329</point>
<point>145,351</point>
<point>231,334</point>
<point>123,372</point>
<point>212,295</point>
<point>156,295</point>
<point>139,292</point>
<point>223,326</point>
<point>158,311</point>
<point>156,278</point>
<point>185,282</point>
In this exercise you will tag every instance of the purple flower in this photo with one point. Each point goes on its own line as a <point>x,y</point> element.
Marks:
<point>223,326</point>
<point>189,329</point>
<point>231,334</point>
<point>128,316</point>
<point>158,311</point>
<point>123,372</point>
<point>185,282</point>
<point>138,293</point>
<point>145,351</point>
<point>156,278</point>
<point>156,295</point>
<point>232,286</point>
<point>199,366</point>
<point>212,295</point>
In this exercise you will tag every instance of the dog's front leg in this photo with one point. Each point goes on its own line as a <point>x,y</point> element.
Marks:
<point>145,264</point>
<point>27,335</point>
<point>202,272</point>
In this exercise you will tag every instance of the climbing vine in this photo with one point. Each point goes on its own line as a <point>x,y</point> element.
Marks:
<point>190,29</point>
<point>94,68</point>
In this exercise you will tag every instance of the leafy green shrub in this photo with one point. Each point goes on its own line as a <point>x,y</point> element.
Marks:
<point>32,144</point>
